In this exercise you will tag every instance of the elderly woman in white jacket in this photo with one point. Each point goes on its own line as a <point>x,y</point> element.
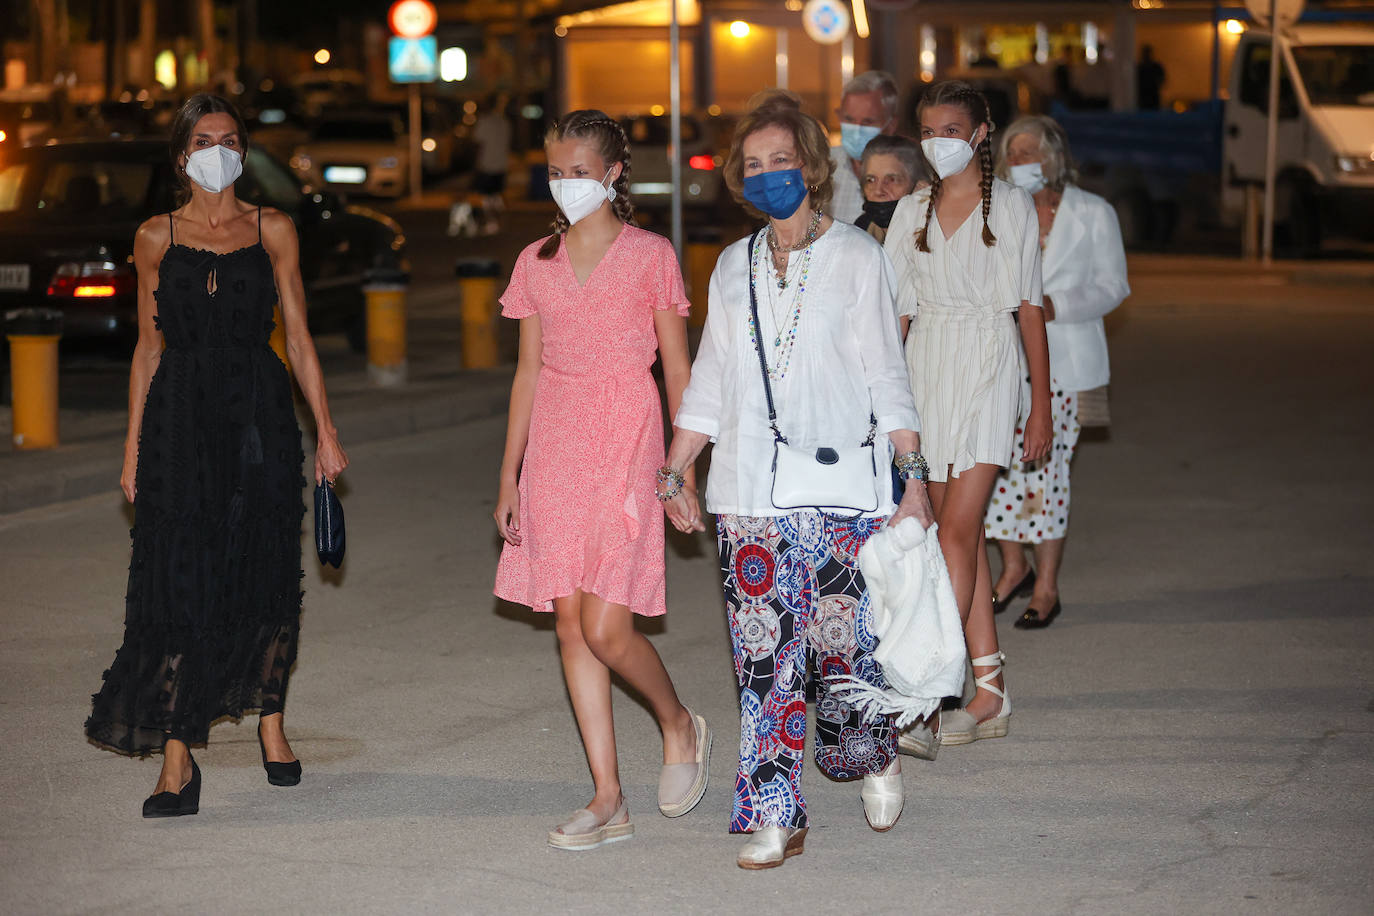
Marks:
<point>1084,278</point>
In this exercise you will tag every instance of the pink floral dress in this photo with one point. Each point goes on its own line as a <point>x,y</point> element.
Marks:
<point>588,516</point>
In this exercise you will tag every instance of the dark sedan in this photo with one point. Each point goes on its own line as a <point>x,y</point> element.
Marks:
<point>68,214</point>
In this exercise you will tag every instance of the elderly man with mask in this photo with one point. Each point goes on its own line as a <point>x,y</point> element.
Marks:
<point>868,107</point>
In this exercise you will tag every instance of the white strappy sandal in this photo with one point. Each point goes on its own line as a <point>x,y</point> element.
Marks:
<point>957,726</point>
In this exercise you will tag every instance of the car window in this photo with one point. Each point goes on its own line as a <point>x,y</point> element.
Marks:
<point>11,184</point>
<point>264,181</point>
<point>1254,83</point>
<point>1337,74</point>
<point>95,190</point>
<point>356,130</point>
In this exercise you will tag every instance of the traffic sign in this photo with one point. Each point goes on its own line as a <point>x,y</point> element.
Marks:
<point>412,18</point>
<point>413,60</point>
<point>826,21</point>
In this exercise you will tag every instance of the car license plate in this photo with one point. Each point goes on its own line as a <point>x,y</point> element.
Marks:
<point>345,174</point>
<point>14,276</point>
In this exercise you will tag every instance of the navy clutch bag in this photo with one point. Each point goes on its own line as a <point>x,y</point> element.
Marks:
<point>329,525</point>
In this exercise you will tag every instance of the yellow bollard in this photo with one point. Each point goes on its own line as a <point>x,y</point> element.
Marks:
<point>477,288</point>
<point>33,336</point>
<point>701,260</point>
<point>278,339</point>
<point>386,327</point>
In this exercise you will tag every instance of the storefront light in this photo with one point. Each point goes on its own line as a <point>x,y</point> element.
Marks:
<point>739,28</point>
<point>1235,27</point>
<point>322,56</point>
<point>165,69</point>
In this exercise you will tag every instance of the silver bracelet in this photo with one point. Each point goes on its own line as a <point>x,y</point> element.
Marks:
<point>912,466</point>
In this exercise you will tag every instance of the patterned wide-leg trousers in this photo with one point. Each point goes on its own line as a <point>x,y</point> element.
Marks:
<point>795,600</point>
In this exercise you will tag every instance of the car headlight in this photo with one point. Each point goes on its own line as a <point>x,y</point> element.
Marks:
<point>1355,165</point>
<point>388,162</point>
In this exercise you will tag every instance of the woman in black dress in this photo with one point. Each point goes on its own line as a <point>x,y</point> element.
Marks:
<point>212,465</point>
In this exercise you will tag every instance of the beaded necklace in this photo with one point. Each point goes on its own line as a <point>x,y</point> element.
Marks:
<point>778,249</point>
<point>785,339</point>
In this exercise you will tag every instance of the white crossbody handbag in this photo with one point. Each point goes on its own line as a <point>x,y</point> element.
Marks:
<point>837,481</point>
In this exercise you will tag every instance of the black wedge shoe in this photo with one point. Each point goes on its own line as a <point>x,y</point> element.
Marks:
<point>1000,602</point>
<point>279,774</point>
<point>175,804</point>
<point>1033,621</point>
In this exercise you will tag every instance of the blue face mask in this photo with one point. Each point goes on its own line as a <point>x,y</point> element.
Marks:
<point>778,194</point>
<point>854,137</point>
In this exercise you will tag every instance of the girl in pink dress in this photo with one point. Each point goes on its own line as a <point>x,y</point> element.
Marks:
<point>584,441</point>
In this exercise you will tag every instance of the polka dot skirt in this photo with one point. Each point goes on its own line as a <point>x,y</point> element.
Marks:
<point>1030,503</point>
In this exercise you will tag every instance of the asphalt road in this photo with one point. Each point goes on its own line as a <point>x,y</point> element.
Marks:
<point>1193,735</point>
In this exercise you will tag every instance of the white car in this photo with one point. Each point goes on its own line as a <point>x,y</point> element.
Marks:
<point>359,154</point>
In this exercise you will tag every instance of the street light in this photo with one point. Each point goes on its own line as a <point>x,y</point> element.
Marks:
<point>322,56</point>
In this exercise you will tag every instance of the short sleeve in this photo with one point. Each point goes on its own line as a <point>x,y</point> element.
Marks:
<point>517,301</point>
<point>901,249</point>
<point>670,291</point>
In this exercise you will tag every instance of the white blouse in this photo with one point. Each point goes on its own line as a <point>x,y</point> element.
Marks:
<point>847,361</point>
<point>961,272</point>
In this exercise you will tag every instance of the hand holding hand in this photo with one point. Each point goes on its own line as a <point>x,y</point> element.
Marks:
<point>684,511</point>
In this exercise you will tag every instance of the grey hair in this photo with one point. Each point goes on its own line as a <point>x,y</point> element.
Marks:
<point>1056,161</point>
<point>902,149</point>
<point>874,81</point>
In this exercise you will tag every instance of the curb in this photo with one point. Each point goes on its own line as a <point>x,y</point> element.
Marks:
<point>35,479</point>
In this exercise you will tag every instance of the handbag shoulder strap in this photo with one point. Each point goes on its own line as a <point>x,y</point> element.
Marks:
<point>757,336</point>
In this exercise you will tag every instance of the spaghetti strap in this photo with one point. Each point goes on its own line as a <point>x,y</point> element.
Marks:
<point>171,229</point>
<point>259,224</point>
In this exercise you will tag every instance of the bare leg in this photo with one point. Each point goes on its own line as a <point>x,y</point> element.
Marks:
<point>1049,555</point>
<point>271,728</point>
<point>589,686</point>
<point>610,634</point>
<point>959,508</point>
<point>1014,566</point>
<point>176,767</point>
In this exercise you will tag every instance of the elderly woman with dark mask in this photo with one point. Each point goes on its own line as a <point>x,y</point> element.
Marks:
<point>1084,277</point>
<point>801,342</point>
<point>892,168</point>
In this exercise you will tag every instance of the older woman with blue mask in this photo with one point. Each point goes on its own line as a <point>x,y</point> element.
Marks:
<point>801,349</point>
<point>1084,278</point>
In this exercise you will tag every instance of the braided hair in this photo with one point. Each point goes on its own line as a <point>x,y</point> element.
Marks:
<point>609,139</point>
<point>961,95</point>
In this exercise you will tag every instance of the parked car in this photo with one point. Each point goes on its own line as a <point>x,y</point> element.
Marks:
<point>438,137</point>
<point>361,153</point>
<point>651,179</point>
<point>68,213</point>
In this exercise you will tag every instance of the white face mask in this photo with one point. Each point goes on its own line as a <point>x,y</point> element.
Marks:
<point>1029,176</point>
<point>579,198</point>
<point>947,155</point>
<point>214,168</point>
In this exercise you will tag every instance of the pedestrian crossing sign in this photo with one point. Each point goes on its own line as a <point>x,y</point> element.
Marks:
<point>413,60</point>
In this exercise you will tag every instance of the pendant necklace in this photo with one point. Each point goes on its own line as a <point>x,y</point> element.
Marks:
<point>776,248</point>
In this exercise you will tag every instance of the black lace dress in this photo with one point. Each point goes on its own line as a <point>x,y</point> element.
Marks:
<point>213,608</point>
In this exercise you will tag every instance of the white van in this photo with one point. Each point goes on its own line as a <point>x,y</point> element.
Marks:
<point>1326,130</point>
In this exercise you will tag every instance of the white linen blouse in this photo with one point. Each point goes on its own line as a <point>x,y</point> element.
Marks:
<point>1085,277</point>
<point>847,361</point>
